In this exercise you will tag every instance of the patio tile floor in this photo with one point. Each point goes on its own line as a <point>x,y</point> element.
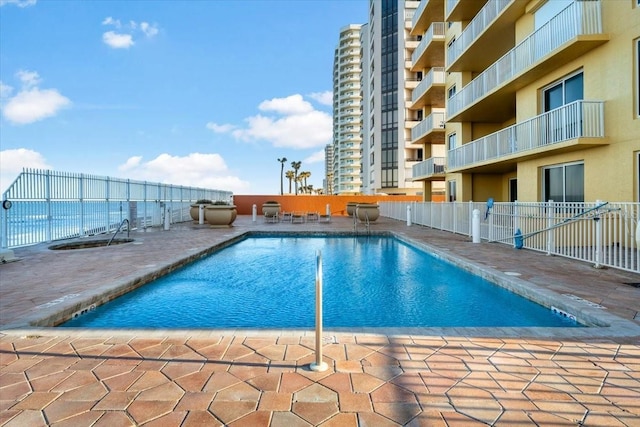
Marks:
<point>429,377</point>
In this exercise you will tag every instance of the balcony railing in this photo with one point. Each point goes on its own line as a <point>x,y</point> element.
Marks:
<point>579,18</point>
<point>487,14</point>
<point>580,119</point>
<point>433,121</point>
<point>431,166</point>
<point>434,76</point>
<point>435,31</point>
<point>416,14</point>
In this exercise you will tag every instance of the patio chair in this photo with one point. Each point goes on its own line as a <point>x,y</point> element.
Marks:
<point>286,217</point>
<point>298,217</point>
<point>271,217</point>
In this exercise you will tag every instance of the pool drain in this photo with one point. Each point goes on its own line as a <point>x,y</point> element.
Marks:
<point>563,313</point>
<point>83,311</point>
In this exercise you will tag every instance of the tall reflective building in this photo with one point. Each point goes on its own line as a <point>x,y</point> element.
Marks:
<point>388,153</point>
<point>347,101</point>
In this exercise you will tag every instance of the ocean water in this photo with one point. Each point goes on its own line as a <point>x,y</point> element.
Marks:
<point>31,222</point>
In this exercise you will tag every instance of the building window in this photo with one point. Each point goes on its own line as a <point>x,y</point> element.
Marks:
<point>453,196</point>
<point>451,91</point>
<point>451,141</point>
<point>563,92</point>
<point>564,183</point>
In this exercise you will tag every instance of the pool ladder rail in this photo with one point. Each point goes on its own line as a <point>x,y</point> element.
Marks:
<point>365,222</point>
<point>120,227</point>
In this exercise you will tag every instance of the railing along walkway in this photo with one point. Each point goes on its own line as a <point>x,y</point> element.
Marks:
<point>600,233</point>
<point>44,205</point>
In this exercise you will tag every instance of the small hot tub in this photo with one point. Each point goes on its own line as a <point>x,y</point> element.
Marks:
<point>88,244</point>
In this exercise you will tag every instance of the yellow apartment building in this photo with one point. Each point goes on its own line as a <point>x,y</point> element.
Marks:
<point>542,100</point>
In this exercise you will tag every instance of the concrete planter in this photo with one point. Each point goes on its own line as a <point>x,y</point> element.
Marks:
<point>367,211</point>
<point>220,216</point>
<point>194,211</point>
<point>270,209</point>
<point>351,208</point>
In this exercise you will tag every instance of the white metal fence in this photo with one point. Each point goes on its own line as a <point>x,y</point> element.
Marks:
<point>43,205</point>
<point>601,233</point>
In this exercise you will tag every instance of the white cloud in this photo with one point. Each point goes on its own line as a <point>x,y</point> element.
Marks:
<point>220,128</point>
<point>293,104</point>
<point>19,3</point>
<point>196,169</point>
<point>117,40</point>
<point>5,90</point>
<point>28,78</point>
<point>148,29</point>
<point>131,163</point>
<point>31,104</point>
<point>324,98</point>
<point>294,124</point>
<point>124,38</point>
<point>110,21</point>
<point>317,157</point>
<point>13,161</point>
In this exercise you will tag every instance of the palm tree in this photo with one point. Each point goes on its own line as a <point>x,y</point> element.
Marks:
<point>306,175</point>
<point>303,179</point>
<point>282,161</point>
<point>296,167</point>
<point>290,176</point>
<point>301,188</point>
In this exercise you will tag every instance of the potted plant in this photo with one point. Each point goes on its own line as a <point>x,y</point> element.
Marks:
<point>194,210</point>
<point>270,208</point>
<point>220,214</point>
<point>367,212</point>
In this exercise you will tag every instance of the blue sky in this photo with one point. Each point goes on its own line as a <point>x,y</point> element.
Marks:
<point>208,93</point>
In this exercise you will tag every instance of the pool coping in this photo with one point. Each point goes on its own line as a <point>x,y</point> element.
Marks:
<point>601,324</point>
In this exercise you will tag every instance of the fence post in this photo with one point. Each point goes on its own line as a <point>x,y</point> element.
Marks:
<point>550,232</point>
<point>471,218</point>
<point>475,226</point>
<point>319,365</point>
<point>409,215</point>
<point>598,254</point>
<point>491,225</point>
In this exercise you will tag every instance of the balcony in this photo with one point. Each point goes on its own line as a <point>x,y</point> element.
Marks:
<point>572,127</point>
<point>430,51</point>
<point>459,10</point>
<point>428,11</point>
<point>430,130</point>
<point>487,37</point>
<point>490,97</point>
<point>427,170</point>
<point>430,91</point>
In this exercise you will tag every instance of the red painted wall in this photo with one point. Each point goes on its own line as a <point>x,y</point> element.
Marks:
<point>309,203</point>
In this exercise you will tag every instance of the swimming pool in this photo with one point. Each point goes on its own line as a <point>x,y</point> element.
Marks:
<point>269,282</point>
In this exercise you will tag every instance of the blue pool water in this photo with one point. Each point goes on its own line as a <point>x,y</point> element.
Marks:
<point>269,282</point>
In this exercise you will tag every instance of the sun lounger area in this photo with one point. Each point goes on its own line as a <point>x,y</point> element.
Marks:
<point>296,217</point>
